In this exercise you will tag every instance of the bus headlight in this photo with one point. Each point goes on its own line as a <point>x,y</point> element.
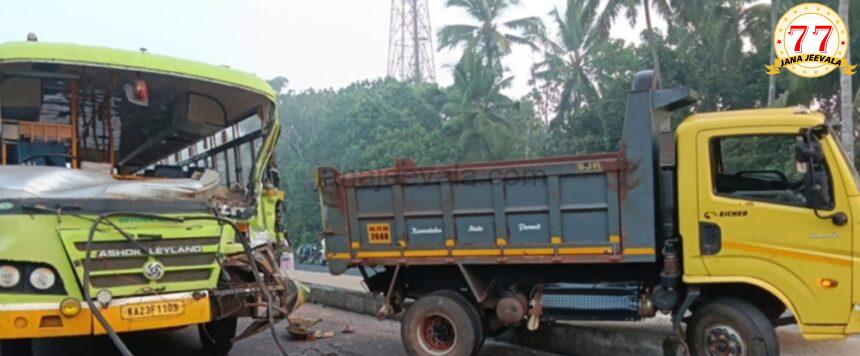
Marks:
<point>9,276</point>
<point>42,278</point>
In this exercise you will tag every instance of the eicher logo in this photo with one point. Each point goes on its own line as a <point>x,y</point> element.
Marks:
<point>525,227</point>
<point>810,40</point>
<point>153,251</point>
<point>726,214</point>
<point>427,231</point>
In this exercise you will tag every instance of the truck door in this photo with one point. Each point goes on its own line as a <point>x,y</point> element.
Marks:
<point>754,220</point>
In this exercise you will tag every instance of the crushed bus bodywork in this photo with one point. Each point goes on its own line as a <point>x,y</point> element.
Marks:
<point>136,193</point>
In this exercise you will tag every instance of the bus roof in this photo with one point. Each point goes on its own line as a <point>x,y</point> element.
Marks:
<point>11,52</point>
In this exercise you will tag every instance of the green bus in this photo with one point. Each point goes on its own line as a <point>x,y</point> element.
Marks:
<point>137,192</point>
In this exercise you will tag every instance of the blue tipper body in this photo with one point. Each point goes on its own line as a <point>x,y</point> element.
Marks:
<point>596,208</point>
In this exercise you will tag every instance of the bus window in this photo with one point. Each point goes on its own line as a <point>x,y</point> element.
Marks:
<point>246,157</point>
<point>230,152</point>
<point>250,125</point>
<point>220,166</point>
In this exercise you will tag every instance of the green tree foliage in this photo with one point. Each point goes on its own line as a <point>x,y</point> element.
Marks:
<point>482,121</point>
<point>580,85</point>
<point>568,66</point>
<point>370,124</point>
<point>597,127</point>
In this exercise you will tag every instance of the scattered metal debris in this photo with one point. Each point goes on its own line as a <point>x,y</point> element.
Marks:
<point>300,329</point>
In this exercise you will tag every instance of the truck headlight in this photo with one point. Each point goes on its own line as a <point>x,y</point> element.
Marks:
<point>9,276</point>
<point>42,278</point>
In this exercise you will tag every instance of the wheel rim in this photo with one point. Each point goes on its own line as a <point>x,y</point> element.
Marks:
<point>721,339</point>
<point>436,335</point>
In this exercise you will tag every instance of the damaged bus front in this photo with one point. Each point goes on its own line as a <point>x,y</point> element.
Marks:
<point>137,192</point>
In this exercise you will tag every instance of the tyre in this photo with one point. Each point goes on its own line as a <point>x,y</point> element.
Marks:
<point>16,347</point>
<point>731,327</point>
<point>216,337</point>
<point>442,324</point>
<point>773,311</point>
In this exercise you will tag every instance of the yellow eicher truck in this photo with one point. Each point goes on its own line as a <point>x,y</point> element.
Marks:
<point>734,223</point>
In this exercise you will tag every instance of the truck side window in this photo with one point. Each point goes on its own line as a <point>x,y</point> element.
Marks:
<point>759,167</point>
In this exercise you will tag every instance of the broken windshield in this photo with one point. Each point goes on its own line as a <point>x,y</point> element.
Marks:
<point>115,126</point>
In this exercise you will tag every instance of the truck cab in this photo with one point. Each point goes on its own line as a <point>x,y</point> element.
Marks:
<point>753,212</point>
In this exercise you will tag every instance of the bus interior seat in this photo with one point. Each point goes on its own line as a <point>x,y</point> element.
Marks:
<point>42,153</point>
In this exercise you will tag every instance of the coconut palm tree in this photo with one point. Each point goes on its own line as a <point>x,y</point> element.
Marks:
<point>631,8</point>
<point>721,28</point>
<point>477,111</point>
<point>489,36</point>
<point>566,66</point>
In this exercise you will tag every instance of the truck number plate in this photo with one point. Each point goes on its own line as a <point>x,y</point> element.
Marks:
<point>151,310</point>
<point>379,234</point>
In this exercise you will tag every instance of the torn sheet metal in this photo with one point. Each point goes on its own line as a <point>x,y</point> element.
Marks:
<point>56,182</point>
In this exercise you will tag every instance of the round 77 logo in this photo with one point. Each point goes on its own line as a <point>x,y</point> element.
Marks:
<point>810,40</point>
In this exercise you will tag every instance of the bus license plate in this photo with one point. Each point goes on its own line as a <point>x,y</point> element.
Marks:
<point>151,310</point>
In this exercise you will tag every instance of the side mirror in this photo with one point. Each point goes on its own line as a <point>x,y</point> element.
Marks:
<point>806,151</point>
<point>816,184</point>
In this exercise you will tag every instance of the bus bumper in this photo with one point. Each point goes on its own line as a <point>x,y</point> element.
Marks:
<point>44,320</point>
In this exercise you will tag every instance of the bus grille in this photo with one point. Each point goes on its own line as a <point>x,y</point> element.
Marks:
<point>184,260</point>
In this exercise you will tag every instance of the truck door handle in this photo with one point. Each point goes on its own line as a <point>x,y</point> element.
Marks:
<point>710,239</point>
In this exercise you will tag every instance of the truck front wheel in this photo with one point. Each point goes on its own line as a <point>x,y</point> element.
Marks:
<point>216,337</point>
<point>442,324</point>
<point>731,327</point>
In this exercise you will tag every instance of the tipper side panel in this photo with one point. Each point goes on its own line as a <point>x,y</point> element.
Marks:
<point>547,210</point>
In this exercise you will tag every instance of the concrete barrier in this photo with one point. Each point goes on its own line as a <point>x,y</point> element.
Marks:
<point>350,300</point>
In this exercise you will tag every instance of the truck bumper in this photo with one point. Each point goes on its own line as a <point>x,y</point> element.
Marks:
<point>44,320</point>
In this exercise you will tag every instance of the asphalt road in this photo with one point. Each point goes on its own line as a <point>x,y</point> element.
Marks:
<point>371,337</point>
<point>323,269</point>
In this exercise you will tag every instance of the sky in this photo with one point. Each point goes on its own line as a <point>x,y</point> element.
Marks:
<point>313,43</point>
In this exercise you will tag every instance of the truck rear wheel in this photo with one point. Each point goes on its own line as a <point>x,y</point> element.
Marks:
<point>731,327</point>
<point>16,347</point>
<point>442,324</point>
<point>216,337</point>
